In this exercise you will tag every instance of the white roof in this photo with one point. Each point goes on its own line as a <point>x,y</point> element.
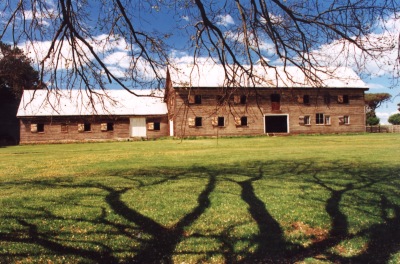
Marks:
<point>213,75</point>
<point>80,103</point>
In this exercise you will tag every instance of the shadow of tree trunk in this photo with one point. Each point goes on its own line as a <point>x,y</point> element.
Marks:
<point>164,240</point>
<point>270,239</point>
<point>35,237</point>
<point>384,238</point>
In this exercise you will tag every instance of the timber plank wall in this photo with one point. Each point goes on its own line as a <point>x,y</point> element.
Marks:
<point>258,105</point>
<point>69,129</point>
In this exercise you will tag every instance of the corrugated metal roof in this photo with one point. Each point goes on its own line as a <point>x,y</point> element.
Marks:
<point>79,103</point>
<point>213,75</point>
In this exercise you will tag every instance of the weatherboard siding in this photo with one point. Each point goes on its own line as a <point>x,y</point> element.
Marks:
<point>53,131</point>
<point>259,105</point>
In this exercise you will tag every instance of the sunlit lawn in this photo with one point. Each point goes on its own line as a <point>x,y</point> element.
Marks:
<point>311,199</point>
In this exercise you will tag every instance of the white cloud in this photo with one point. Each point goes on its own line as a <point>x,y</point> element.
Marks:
<point>225,20</point>
<point>275,19</point>
<point>376,86</point>
<point>383,46</point>
<point>178,57</point>
<point>42,16</point>
<point>102,44</point>
<point>113,50</point>
<point>384,116</point>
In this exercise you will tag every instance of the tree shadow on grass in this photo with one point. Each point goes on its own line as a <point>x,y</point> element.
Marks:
<point>164,240</point>
<point>271,243</point>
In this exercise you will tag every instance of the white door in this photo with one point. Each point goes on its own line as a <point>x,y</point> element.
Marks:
<point>138,126</point>
<point>171,128</point>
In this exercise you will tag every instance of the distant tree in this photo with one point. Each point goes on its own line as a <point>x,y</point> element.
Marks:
<point>373,121</point>
<point>394,119</point>
<point>16,71</point>
<point>372,102</point>
<point>375,100</point>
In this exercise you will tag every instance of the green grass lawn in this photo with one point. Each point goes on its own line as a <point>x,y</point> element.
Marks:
<point>299,199</point>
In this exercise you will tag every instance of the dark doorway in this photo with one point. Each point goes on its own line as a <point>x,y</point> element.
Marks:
<point>276,124</point>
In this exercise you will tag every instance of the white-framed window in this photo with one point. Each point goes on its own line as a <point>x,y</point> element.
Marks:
<point>346,120</point>
<point>319,119</point>
<point>327,120</point>
<point>307,120</point>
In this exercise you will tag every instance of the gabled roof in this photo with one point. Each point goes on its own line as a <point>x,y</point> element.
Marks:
<point>79,103</point>
<point>213,75</point>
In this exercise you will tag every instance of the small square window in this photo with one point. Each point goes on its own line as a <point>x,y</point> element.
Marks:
<point>87,127</point>
<point>243,121</point>
<point>220,99</point>
<point>40,128</point>
<point>243,99</point>
<point>327,99</point>
<point>306,99</point>
<point>343,99</point>
<point>157,126</point>
<point>197,99</point>
<point>221,121</point>
<point>194,99</point>
<point>64,128</point>
<point>107,127</point>
<point>198,121</point>
<point>110,126</point>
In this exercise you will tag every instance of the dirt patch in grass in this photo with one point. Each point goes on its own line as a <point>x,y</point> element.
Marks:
<point>314,235</point>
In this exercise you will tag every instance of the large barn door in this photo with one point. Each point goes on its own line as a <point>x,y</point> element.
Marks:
<point>276,124</point>
<point>138,127</point>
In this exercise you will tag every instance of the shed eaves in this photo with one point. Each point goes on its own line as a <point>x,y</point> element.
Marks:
<point>79,103</point>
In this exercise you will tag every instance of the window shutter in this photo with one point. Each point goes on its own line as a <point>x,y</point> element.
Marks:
<point>340,99</point>
<point>81,127</point>
<point>34,128</point>
<point>238,121</point>
<point>191,99</point>
<point>191,122</point>
<point>301,120</point>
<point>300,99</point>
<point>150,126</point>
<point>214,121</point>
<point>236,99</point>
<point>341,120</point>
<point>103,126</point>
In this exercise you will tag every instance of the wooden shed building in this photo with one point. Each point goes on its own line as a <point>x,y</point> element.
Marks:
<point>62,116</point>
<point>279,100</point>
<point>199,101</point>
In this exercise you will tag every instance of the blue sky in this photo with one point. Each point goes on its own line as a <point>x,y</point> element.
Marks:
<point>159,18</point>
